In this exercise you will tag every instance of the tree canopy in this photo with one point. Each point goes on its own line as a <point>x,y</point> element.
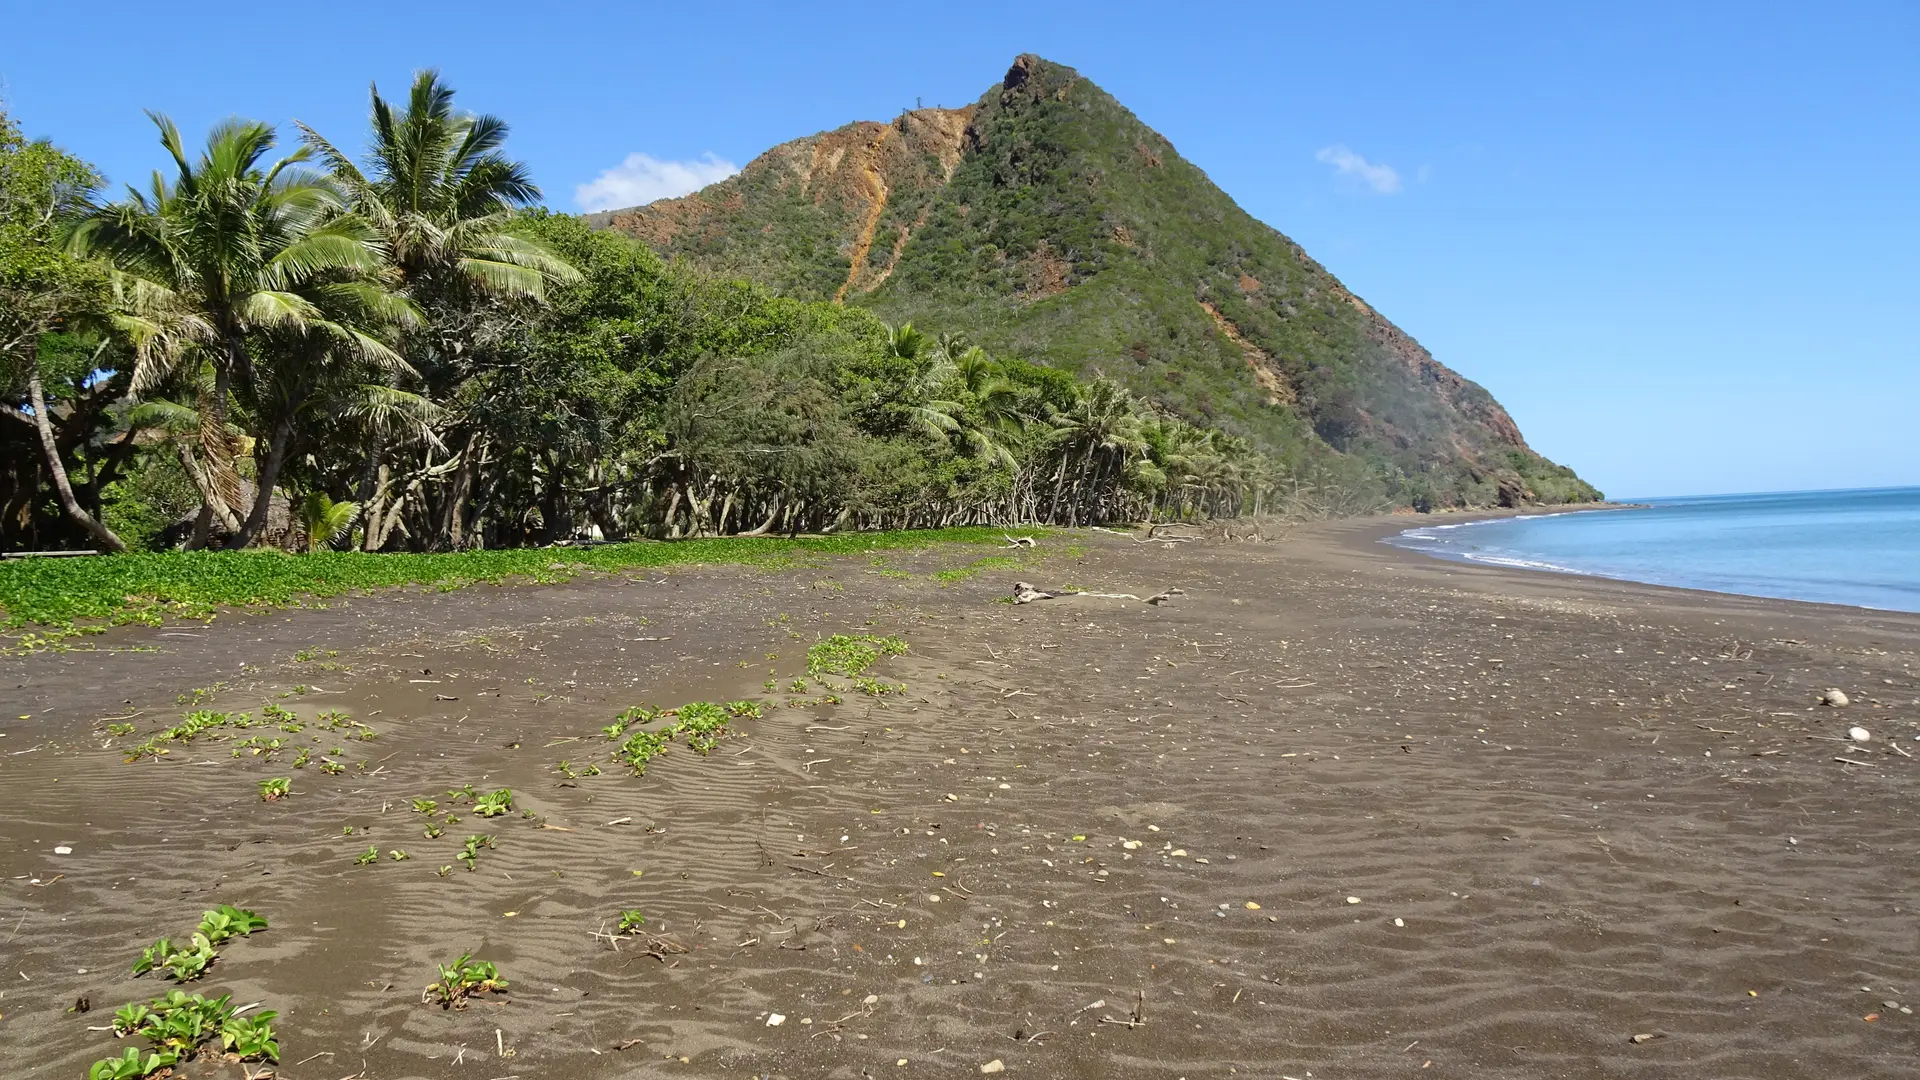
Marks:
<point>399,349</point>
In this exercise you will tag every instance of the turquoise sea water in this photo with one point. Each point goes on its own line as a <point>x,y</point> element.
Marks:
<point>1838,547</point>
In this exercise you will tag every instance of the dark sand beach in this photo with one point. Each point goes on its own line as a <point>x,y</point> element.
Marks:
<point>1337,811</point>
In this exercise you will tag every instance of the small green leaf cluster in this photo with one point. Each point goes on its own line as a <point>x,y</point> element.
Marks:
<point>278,787</point>
<point>470,851</point>
<point>462,979</point>
<point>494,804</point>
<point>702,723</point>
<point>867,684</point>
<point>189,963</point>
<point>850,654</point>
<point>179,1027</point>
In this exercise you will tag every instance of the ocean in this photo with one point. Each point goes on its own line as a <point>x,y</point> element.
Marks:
<point>1858,547</point>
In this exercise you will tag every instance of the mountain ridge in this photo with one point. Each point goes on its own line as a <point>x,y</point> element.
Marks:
<point>1047,221</point>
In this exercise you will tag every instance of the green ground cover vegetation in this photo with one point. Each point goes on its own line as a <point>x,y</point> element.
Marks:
<point>146,587</point>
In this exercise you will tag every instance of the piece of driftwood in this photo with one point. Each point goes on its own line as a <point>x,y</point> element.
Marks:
<point>1025,593</point>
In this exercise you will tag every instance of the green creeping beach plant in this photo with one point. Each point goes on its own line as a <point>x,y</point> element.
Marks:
<point>463,979</point>
<point>631,920</point>
<point>180,1027</point>
<point>189,963</point>
<point>850,655</point>
<point>251,1037</point>
<point>182,965</point>
<point>867,684</point>
<point>368,857</point>
<point>470,851</point>
<point>494,804</point>
<point>278,787</point>
<point>147,587</point>
<point>227,921</point>
<point>701,723</point>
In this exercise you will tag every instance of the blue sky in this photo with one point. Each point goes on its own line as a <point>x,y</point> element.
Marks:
<point>1680,242</point>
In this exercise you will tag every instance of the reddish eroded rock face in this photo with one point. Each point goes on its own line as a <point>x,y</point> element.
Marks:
<point>825,168</point>
<point>1466,398</point>
<point>1013,206</point>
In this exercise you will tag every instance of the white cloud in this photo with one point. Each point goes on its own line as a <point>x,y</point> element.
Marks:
<point>642,178</point>
<point>1381,178</point>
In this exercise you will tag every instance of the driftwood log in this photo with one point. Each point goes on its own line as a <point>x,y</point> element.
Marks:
<point>1025,593</point>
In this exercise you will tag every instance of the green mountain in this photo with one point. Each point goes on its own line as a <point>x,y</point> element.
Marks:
<point>1047,222</point>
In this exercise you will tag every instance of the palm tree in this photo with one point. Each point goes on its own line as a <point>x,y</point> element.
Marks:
<point>905,341</point>
<point>1104,427</point>
<point>224,253</point>
<point>441,195</point>
<point>326,520</point>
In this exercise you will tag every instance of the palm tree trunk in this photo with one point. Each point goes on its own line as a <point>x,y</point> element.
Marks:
<point>269,476</point>
<point>223,479</point>
<point>44,425</point>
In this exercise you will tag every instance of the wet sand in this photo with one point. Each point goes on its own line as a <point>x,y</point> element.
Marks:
<point>1571,811</point>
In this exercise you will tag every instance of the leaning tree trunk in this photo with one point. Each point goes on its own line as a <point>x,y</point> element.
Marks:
<point>44,425</point>
<point>269,476</point>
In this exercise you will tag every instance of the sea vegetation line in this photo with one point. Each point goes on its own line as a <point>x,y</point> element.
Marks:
<point>400,351</point>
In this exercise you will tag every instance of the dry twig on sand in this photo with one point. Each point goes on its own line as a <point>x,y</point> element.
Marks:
<point>1139,1016</point>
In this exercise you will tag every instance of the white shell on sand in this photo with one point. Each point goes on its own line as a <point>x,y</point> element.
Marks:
<point>1834,697</point>
<point>1859,734</point>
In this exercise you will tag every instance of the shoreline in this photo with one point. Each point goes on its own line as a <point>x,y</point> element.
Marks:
<point>1387,528</point>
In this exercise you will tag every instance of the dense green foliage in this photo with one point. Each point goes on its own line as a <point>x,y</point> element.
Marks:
<point>49,368</point>
<point>145,586</point>
<point>397,350</point>
<point>401,352</point>
<point>1060,226</point>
